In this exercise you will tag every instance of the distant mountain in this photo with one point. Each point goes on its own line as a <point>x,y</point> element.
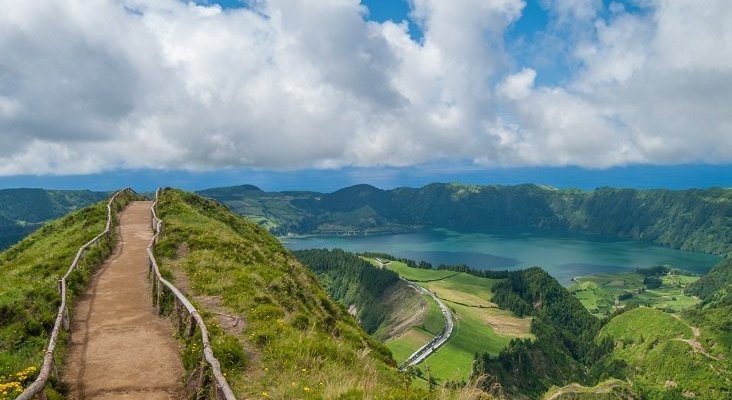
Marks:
<point>697,219</point>
<point>24,210</point>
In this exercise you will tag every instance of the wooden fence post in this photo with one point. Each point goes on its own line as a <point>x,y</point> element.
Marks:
<point>157,297</point>
<point>154,290</point>
<point>66,321</point>
<point>191,326</point>
<point>202,379</point>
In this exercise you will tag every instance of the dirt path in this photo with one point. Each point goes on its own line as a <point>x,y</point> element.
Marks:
<point>694,343</point>
<point>120,349</point>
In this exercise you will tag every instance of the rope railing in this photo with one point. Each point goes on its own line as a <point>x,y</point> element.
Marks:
<point>222,388</point>
<point>62,318</point>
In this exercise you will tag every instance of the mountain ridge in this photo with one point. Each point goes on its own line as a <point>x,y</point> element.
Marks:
<point>692,219</point>
<point>23,210</point>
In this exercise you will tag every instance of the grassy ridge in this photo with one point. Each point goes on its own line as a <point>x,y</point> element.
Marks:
<point>295,341</point>
<point>611,389</point>
<point>29,274</point>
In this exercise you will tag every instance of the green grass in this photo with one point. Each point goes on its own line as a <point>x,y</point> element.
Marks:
<point>463,289</point>
<point>468,296</point>
<point>416,274</point>
<point>454,360</point>
<point>662,366</point>
<point>29,274</point>
<point>294,336</point>
<point>406,344</point>
<point>598,292</point>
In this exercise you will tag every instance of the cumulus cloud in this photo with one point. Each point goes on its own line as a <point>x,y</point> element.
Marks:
<point>88,86</point>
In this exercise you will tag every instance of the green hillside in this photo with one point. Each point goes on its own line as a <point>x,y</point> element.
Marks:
<point>695,219</point>
<point>611,389</point>
<point>294,342</point>
<point>667,358</point>
<point>29,274</point>
<point>24,210</point>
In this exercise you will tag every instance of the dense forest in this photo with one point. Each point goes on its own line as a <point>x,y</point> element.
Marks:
<point>715,287</point>
<point>695,219</point>
<point>565,347</point>
<point>351,281</point>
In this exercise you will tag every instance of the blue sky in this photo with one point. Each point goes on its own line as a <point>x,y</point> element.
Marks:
<point>318,94</point>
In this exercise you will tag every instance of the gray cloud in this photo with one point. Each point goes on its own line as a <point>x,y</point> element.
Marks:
<point>92,86</point>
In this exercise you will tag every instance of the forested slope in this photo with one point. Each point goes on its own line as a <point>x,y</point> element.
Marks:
<point>565,347</point>
<point>24,210</point>
<point>355,283</point>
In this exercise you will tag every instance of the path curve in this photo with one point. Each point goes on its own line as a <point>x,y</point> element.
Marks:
<point>120,348</point>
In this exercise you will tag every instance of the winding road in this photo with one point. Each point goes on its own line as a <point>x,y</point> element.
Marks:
<point>431,346</point>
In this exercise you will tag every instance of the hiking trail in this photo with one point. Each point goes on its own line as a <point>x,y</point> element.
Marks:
<point>120,348</point>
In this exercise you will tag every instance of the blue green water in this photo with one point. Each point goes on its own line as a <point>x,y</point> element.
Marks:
<point>563,256</point>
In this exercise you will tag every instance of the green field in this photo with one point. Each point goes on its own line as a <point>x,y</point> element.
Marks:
<point>601,293</point>
<point>454,360</point>
<point>479,325</point>
<point>414,274</point>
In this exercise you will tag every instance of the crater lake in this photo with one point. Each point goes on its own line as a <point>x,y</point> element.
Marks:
<point>564,256</point>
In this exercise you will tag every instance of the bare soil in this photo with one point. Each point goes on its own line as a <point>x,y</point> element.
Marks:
<point>411,310</point>
<point>120,348</point>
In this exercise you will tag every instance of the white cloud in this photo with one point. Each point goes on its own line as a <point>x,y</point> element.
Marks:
<point>518,86</point>
<point>87,86</point>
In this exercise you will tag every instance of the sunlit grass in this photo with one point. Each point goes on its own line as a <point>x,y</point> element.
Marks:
<point>297,342</point>
<point>29,274</point>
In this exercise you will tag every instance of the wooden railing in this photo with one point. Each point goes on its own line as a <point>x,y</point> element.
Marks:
<point>188,328</point>
<point>62,318</point>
